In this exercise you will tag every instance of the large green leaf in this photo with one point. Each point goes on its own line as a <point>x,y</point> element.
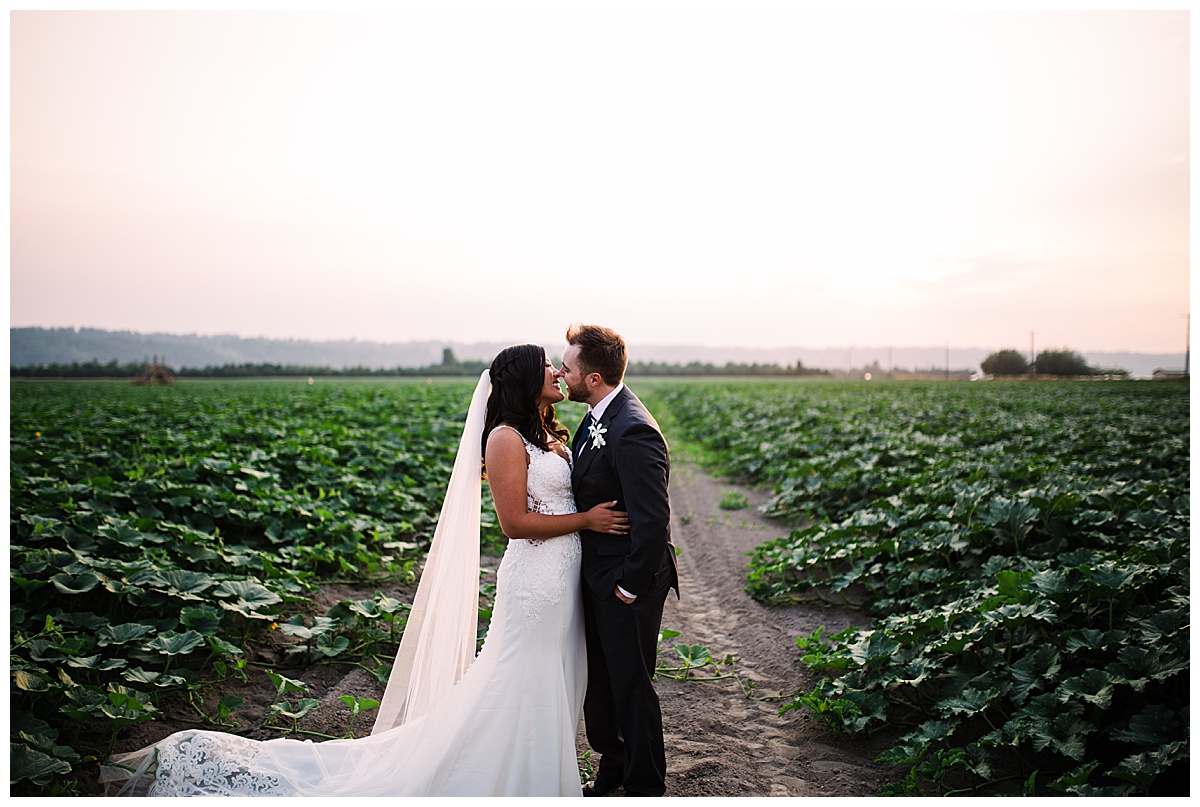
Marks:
<point>1094,686</point>
<point>223,647</point>
<point>391,605</point>
<point>1049,583</point>
<point>28,763</point>
<point>874,648</point>
<point>124,706</point>
<point>1162,625</point>
<point>123,633</point>
<point>139,676</point>
<point>184,584</point>
<point>75,583</point>
<point>1085,639</point>
<point>248,598</point>
<point>203,619</point>
<point>357,704</point>
<point>97,662</point>
<point>296,626</point>
<point>302,707</point>
<point>1142,769</point>
<point>1156,725</point>
<point>174,644</point>
<point>88,621</point>
<point>284,684</point>
<point>330,645</point>
<point>1071,782</point>
<point>968,702</point>
<point>31,680</point>
<point>1030,671</point>
<point>123,534</point>
<point>694,655</point>
<point>368,608</point>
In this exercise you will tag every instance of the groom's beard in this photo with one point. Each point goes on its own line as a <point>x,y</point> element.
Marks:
<point>579,394</point>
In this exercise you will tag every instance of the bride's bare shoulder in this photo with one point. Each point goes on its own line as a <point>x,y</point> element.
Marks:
<point>504,434</point>
<point>505,442</point>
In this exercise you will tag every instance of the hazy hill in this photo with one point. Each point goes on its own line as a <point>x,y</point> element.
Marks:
<point>65,345</point>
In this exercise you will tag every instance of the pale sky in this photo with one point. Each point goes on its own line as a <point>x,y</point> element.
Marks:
<point>724,175</point>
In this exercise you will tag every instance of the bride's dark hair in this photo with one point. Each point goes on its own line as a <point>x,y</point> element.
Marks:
<point>518,375</point>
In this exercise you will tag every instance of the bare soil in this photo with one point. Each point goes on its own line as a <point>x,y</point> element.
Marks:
<point>719,742</point>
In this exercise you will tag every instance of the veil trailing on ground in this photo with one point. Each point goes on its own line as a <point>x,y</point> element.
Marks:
<point>439,639</point>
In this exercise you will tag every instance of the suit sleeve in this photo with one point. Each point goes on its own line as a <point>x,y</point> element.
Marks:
<point>643,466</point>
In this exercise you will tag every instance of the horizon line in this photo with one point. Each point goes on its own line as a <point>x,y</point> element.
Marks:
<point>433,340</point>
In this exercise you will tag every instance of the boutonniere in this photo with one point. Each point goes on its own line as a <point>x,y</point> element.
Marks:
<point>596,431</point>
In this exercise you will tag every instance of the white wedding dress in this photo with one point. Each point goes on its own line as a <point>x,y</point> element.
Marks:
<point>507,728</point>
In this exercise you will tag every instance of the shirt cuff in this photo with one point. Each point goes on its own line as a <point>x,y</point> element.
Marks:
<point>626,593</point>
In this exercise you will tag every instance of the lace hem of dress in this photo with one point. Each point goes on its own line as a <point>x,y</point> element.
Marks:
<point>208,765</point>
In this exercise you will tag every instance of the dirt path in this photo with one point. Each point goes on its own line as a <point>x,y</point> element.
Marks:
<point>720,743</point>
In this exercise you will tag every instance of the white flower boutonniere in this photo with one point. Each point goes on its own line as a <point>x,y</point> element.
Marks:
<point>596,431</point>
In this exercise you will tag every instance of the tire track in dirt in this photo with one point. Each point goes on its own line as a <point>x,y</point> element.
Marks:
<point>719,742</point>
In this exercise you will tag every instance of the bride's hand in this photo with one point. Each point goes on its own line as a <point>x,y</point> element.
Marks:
<point>602,518</point>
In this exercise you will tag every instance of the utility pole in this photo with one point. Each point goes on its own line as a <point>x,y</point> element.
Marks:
<point>1032,359</point>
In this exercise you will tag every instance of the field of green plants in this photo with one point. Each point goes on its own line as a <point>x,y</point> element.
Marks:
<point>1023,550</point>
<point>158,534</point>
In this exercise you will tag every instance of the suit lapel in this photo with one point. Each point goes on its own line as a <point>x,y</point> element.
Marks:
<point>611,413</point>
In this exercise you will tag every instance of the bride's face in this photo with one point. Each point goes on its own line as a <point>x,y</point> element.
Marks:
<point>551,394</point>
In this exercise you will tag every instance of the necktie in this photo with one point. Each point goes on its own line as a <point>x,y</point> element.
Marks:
<point>585,432</point>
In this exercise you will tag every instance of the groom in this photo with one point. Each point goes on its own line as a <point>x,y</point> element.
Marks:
<point>620,455</point>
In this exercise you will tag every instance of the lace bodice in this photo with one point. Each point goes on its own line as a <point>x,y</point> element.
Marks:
<point>548,480</point>
<point>538,570</point>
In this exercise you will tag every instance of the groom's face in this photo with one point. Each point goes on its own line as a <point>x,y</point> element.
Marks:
<point>577,385</point>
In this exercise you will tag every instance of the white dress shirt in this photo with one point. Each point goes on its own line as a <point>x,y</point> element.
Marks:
<point>597,411</point>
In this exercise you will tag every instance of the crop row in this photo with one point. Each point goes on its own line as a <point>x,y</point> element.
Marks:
<point>1023,549</point>
<point>159,534</point>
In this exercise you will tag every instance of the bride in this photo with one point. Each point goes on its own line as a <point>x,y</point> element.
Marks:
<point>501,724</point>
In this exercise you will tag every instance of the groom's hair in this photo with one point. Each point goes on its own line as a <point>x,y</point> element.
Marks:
<point>601,350</point>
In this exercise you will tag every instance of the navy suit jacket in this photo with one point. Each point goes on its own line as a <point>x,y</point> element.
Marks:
<point>632,467</point>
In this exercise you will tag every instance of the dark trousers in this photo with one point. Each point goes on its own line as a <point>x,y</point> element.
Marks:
<point>620,710</point>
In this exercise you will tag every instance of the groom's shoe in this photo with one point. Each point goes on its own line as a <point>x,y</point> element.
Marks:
<point>600,788</point>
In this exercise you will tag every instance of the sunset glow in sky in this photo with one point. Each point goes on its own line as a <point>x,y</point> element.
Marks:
<point>741,176</point>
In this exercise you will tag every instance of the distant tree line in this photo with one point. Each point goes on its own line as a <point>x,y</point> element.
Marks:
<point>1066,363</point>
<point>728,369</point>
<point>302,370</point>
<point>114,369</point>
<point>87,369</point>
<point>466,368</point>
<point>449,366</point>
<point>1049,362</point>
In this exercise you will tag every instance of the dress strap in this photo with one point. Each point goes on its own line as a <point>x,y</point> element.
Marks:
<point>529,447</point>
<point>506,426</point>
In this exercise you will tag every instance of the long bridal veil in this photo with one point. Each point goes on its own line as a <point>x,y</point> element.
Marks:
<point>437,647</point>
<point>439,638</point>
